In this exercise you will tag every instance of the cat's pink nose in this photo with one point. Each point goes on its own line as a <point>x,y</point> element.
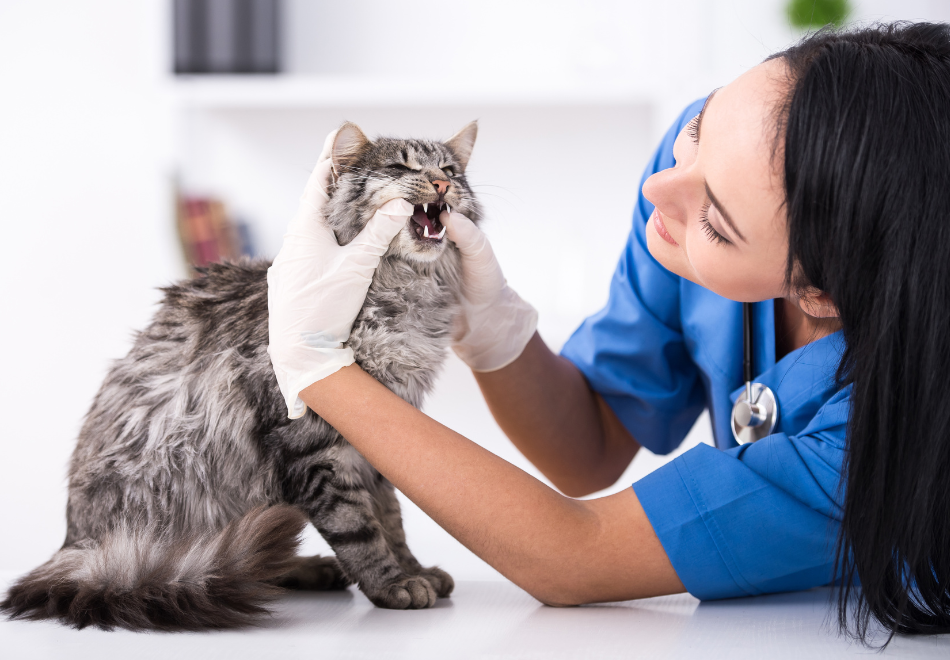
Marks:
<point>441,186</point>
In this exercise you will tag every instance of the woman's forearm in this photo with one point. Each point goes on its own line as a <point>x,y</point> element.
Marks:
<point>560,550</point>
<point>544,405</point>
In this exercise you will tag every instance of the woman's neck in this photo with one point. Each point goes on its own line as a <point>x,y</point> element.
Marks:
<point>794,328</point>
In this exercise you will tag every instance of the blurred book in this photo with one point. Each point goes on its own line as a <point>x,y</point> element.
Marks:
<point>208,234</point>
<point>226,36</point>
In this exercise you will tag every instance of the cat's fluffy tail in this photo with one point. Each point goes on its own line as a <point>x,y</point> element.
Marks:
<point>142,580</point>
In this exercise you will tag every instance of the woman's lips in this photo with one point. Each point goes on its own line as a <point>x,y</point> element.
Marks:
<point>661,228</point>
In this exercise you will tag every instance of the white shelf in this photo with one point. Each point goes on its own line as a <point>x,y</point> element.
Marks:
<point>289,92</point>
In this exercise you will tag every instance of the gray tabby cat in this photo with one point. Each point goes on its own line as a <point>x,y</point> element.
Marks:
<point>189,486</point>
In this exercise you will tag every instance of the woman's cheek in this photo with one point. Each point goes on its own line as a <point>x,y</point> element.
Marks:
<point>715,266</point>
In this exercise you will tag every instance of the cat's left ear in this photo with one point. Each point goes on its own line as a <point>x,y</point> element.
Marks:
<point>348,145</point>
<point>462,142</point>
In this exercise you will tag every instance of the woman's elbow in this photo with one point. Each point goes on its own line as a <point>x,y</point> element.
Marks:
<point>556,593</point>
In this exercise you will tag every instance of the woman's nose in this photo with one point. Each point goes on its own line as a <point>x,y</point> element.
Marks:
<point>673,191</point>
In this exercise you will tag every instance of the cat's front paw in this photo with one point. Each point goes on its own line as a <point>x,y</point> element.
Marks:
<point>411,592</point>
<point>441,581</point>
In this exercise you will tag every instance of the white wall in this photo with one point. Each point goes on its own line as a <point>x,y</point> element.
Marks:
<point>87,148</point>
<point>84,208</point>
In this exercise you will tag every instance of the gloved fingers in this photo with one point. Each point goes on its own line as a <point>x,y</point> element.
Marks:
<point>469,239</point>
<point>315,193</point>
<point>382,228</point>
<point>308,233</point>
<point>396,207</point>
<point>482,276</point>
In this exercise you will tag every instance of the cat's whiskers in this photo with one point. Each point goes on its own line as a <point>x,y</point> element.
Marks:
<point>373,173</point>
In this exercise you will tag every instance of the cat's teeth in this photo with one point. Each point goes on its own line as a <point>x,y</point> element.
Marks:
<point>425,232</point>
<point>441,233</point>
<point>425,208</point>
<point>448,209</point>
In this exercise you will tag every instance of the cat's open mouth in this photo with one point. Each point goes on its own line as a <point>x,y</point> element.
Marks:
<point>425,222</point>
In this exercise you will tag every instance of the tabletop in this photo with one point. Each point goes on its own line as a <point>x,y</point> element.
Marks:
<point>491,619</point>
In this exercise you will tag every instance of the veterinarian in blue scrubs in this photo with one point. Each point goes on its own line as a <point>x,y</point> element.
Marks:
<point>734,521</point>
<point>772,169</point>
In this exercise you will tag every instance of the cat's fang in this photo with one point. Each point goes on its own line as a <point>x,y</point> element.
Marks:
<point>448,209</point>
<point>425,208</point>
<point>425,231</point>
<point>441,233</point>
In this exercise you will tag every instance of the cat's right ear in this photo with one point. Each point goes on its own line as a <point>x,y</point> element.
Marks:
<point>462,143</point>
<point>348,145</point>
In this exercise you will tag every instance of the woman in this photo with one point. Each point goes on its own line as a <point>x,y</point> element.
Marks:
<point>816,185</point>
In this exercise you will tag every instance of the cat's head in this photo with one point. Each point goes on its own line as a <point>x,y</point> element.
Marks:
<point>428,174</point>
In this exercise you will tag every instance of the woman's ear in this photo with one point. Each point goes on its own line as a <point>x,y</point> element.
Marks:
<point>817,304</point>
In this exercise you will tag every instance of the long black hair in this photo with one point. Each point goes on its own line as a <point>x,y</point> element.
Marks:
<point>866,129</point>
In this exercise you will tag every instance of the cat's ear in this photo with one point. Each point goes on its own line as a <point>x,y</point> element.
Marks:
<point>462,142</point>
<point>348,146</point>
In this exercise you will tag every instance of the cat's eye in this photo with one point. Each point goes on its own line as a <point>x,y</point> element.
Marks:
<point>449,170</point>
<point>400,166</point>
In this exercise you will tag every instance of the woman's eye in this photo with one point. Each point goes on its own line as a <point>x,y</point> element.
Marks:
<point>449,170</point>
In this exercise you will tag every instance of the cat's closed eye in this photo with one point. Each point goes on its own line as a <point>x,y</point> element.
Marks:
<point>400,166</point>
<point>449,170</point>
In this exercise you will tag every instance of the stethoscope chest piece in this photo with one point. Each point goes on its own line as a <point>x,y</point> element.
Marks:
<point>754,414</point>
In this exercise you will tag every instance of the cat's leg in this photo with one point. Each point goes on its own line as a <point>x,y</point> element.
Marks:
<point>314,573</point>
<point>386,507</point>
<point>330,485</point>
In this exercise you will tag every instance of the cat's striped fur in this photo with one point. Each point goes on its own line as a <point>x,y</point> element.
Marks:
<point>189,485</point>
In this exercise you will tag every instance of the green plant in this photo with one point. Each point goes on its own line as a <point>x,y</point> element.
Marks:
<point>817,13</point>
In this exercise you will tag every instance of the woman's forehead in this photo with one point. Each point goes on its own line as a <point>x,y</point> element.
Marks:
<point>737,140</point>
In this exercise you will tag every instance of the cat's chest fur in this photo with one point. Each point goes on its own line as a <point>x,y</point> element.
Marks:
<point>402,332</point>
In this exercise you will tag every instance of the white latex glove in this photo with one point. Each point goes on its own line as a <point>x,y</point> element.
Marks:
<point>316,288</point>
<point>495,324</point>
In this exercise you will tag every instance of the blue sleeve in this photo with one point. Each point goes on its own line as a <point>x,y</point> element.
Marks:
<point>632,352</point>
<point>756,519</point>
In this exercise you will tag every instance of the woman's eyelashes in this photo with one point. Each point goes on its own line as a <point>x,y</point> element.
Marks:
<point>710,231</point>
<point>692,129</point>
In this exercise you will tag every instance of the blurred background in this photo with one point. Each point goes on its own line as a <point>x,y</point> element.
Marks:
<point>140,138</point>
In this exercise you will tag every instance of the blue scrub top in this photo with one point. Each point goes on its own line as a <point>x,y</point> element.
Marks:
<point>734,521</point>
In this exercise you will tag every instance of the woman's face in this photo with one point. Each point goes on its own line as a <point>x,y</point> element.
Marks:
<point>722,203</point>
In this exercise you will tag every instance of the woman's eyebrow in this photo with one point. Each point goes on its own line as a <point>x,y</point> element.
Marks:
<point>722,212</point>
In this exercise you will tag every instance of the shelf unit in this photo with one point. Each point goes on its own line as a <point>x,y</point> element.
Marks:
<point>298,91</point>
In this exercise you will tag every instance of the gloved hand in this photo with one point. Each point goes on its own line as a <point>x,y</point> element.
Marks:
<point>316,288</point>
<point>495,324</point>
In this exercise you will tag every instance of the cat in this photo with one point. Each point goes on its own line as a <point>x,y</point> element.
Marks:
<point>189,485</point>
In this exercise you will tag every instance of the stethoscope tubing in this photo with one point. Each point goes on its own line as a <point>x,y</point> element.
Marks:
<point>755,413</point>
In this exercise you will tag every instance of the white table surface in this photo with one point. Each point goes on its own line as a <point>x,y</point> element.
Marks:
<point>488,620</point>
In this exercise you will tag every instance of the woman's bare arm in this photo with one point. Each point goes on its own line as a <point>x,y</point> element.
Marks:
<point>561,551</point>
<point>545,406</point>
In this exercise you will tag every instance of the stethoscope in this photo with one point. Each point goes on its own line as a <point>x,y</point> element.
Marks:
<point>755,412</point>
